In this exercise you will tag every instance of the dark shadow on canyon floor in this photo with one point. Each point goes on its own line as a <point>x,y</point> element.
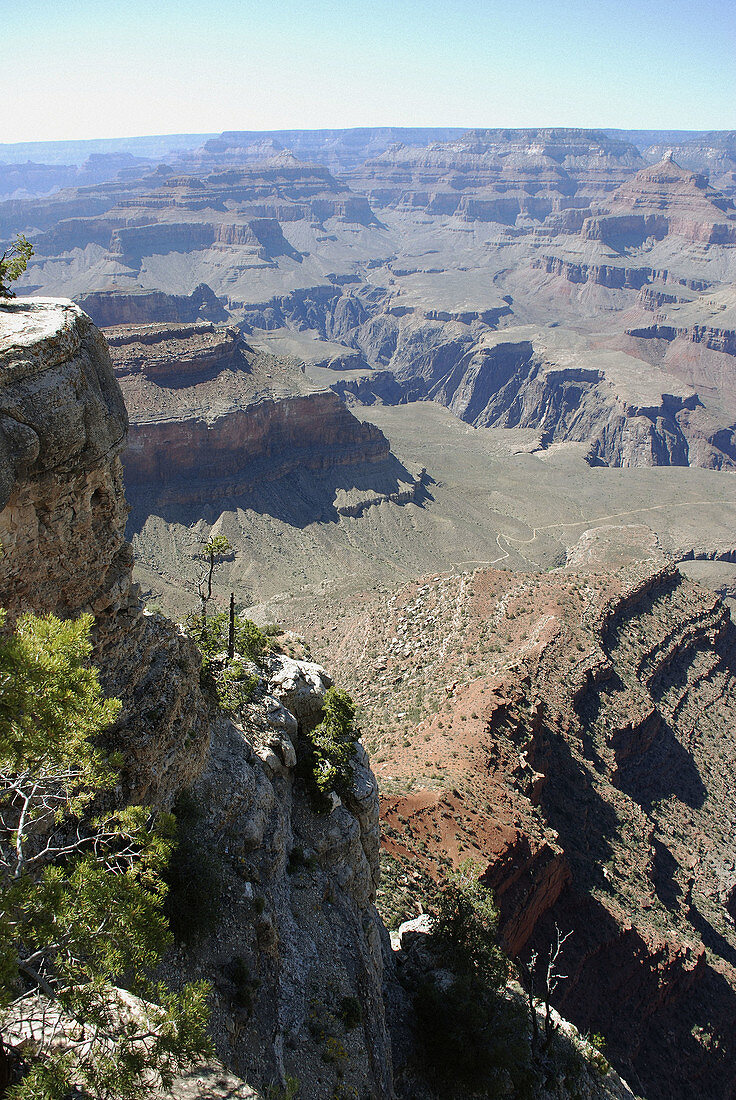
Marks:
<point>666,768</point>
<point>299,498</point>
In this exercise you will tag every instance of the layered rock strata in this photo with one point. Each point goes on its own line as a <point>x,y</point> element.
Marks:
<point>499,175</point>
<point>117,307</point>
<point>574,733</point>
<point>294,932</point>
<point>661,199</point>
<point>212,419</point>
<point>628,413</point>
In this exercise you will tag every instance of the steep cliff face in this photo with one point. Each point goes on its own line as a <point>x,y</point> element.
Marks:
<point>294,934</point>
<point>62,525</point>
<point>629,413</point>
<point>63,425</point>
<point>211,419</point>
<point>119,307</point>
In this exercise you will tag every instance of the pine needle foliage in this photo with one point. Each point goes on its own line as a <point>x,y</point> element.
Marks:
<point>81,891</point>
<point>13,263</point>
<point>328,759</point>
<point>228,679</point>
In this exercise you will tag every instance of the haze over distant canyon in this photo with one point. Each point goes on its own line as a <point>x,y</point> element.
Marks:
<point>464,404</point>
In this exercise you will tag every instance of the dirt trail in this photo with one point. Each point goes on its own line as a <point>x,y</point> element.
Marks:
<point>590,522</point>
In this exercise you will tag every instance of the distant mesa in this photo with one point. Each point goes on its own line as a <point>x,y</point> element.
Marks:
<point>666,198</point>
<point>499,175</point>
<point>124,307</point>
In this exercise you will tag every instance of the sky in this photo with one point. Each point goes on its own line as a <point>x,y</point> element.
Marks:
<point>75,69</point>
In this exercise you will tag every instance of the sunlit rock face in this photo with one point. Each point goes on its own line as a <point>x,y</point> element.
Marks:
<point>63,425</point>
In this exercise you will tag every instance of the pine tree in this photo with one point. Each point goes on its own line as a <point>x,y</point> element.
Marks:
<point>81,889</point>
<point>13,263</point>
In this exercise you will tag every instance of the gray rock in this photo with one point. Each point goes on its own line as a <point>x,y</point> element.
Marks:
<point>299,686</point>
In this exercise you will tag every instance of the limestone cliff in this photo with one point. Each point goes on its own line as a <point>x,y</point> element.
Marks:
<point>295,932</point>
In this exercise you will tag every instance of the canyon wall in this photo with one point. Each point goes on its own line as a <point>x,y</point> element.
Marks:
<point>214,421</point>
<point>572,732</point>
<point>298,933</point>
<point>523,377</point>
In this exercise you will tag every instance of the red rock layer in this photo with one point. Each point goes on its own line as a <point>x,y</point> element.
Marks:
<point>240,450</point>
<point>573,734</point>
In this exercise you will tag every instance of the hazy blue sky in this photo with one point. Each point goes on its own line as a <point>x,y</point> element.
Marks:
<point>97,68</point>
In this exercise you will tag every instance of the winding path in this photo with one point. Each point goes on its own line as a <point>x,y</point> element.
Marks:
<point>508,539</point>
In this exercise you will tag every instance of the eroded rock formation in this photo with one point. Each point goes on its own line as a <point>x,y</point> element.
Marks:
<point>569,388</point>
<point>500,175</point>
<point>111,307</point>
<point>213,420</point>
<point>293,934</point>
<point>665,198</point>
<point>573,732</point>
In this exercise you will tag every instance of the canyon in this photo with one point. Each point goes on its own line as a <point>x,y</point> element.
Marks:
<point>463,403</point>
<point>567,732</point>
<point>405,266</point>
<point>304,987</point>
<point>62,517</point>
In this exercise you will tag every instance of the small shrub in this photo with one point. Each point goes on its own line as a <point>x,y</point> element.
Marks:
<point>299,861</point>
<point>13,263</point>
<point>598,1056</point>
<point>473,1039</point>
<point>327,760</point>
<point>227,680</point>
<point>272,630</point>
<point>244,985</point>
<point>211,635</point>
<point>287,1092</point>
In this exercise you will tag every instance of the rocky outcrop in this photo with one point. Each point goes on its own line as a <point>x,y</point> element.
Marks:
<point>294,934</point>
<point>714,338</point>
<point>63,425</point>
<point>211,419</point>
<point>263,234</point>
<point>194,460</point>
<point>662,199</point>
<point>62,526</point>
<point>629,415</point>
<point>615,276</point>
<point>172,352</point>
<point>118,307</point>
